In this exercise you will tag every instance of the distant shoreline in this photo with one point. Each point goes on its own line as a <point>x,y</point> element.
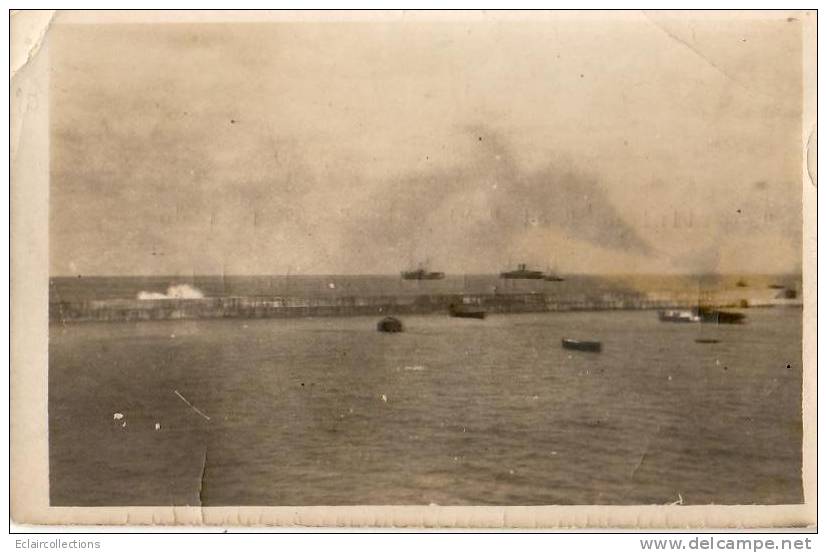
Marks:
<point>265,296</point>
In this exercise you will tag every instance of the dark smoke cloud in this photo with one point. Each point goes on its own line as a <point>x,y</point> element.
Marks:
<point>483,207</point>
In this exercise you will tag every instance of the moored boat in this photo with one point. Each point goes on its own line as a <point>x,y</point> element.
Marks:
<point>708,315</point>
<point>466,311</point>
<point>582,345</point>
<point>700,315</point>
<point>678,316</point>
<point>389,324</point>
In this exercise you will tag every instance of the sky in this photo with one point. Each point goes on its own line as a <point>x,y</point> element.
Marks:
<point>630,143</point>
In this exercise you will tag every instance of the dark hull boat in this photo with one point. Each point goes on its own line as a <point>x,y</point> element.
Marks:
<point>720,317</point>
<point>522,273</point>
<point>582,345</point>
<point>553,278</point>
<point>466,311</point>
<point>389,324</point>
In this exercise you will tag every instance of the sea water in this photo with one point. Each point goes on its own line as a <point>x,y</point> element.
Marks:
<point>327,411</point>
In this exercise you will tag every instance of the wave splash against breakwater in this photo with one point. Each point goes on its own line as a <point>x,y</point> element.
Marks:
<point>174,292</point>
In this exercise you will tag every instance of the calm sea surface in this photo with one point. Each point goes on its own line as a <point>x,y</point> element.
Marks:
<point>329,412</point>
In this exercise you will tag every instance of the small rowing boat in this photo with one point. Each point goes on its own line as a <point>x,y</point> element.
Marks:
<point>582,345</point>
<point>466,311</point>
<point>389,324</point>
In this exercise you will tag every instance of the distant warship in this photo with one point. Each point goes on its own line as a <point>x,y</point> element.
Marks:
<point>522,273</point>
<point>422,274</point>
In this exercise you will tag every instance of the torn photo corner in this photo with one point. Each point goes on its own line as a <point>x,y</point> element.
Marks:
<point>414,269</point>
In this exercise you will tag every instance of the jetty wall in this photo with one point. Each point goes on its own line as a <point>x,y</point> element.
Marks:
<point>285,307</point>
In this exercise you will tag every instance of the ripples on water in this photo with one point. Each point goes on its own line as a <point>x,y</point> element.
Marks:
<point>474,412</point>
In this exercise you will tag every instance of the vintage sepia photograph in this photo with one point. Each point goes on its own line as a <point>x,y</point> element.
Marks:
<point>431,259</point>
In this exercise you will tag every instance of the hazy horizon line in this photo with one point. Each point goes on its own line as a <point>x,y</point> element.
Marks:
<point>398,274</point>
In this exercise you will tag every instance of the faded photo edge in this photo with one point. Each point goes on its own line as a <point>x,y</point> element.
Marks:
<point>29,366</point>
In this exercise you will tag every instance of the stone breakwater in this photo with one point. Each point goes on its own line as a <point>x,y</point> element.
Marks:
<point>285,307</point>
